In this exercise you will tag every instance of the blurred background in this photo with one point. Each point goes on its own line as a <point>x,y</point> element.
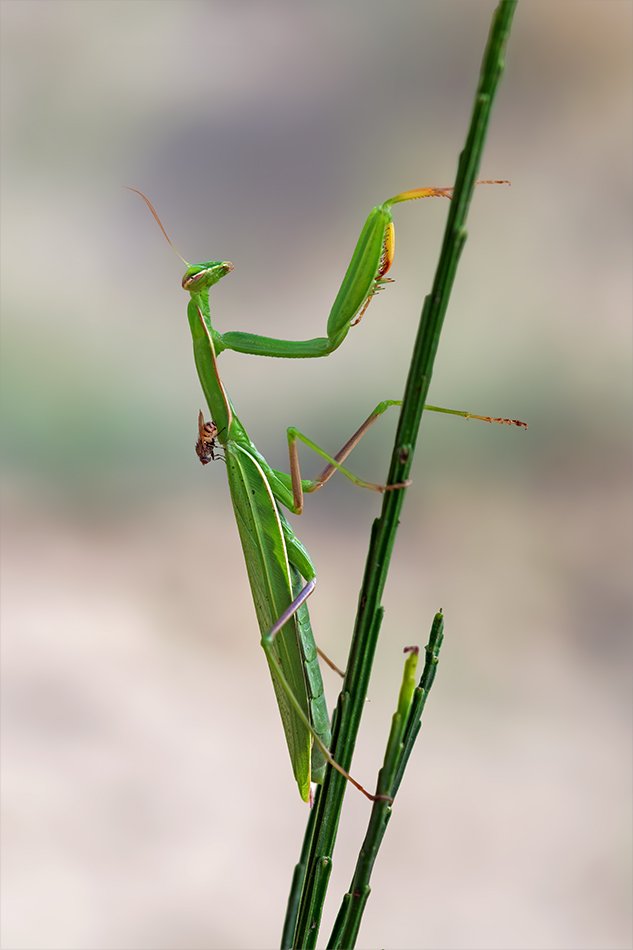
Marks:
<point>148,796</point>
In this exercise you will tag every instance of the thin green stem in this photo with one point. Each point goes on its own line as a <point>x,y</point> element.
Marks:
<point>351,701</point>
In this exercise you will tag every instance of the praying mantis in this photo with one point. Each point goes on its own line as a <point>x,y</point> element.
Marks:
<point>280,571</point>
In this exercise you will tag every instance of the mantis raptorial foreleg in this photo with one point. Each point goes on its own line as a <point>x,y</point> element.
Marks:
<point>365,276</point>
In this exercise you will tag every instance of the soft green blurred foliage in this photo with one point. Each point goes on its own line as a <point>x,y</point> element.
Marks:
<point>149,797</point>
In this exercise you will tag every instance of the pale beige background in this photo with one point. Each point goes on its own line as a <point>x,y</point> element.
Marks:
<point>149,802</point>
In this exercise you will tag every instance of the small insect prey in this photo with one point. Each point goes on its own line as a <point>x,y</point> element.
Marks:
<point>206,446</point>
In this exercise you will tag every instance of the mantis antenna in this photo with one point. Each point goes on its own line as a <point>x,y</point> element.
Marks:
<point>158,222</point>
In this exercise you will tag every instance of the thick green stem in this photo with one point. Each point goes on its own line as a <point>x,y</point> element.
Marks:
<point>350,914</point>
<point>352,698</point>
<point>298,878</point>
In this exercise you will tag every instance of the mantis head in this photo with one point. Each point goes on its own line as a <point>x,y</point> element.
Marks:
<point>200,277</point>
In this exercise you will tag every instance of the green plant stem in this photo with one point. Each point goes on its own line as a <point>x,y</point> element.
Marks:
<point>351,700</point>
<point>298,877</point>
<point>349,917</point>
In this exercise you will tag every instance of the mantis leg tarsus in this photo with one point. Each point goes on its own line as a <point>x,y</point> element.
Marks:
<point>471,415</point>
<point>405,484</point>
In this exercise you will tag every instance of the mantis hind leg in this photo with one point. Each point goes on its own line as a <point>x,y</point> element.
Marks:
<point>301,566</point>
<point>267,641</point>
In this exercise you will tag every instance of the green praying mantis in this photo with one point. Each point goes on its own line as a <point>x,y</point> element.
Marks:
<point>280,571</point>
